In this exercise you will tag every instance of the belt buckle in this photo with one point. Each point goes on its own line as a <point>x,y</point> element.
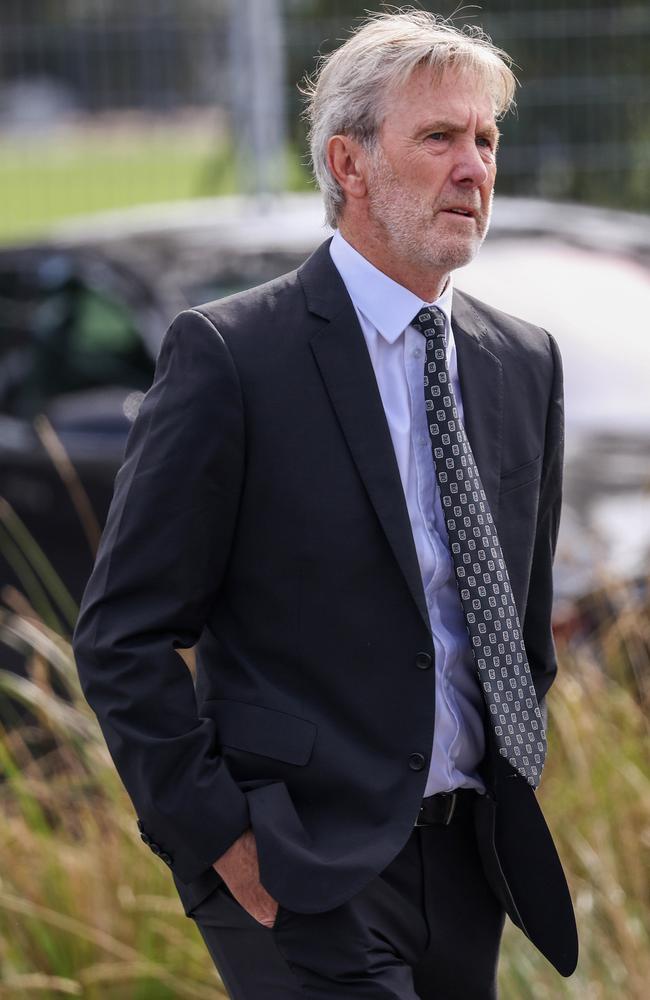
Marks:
<point>451,807</point>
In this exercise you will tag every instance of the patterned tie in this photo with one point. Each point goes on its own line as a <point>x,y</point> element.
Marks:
<point>482,578</point>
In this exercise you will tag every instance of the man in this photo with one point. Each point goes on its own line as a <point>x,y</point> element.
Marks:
<point>346,800</point>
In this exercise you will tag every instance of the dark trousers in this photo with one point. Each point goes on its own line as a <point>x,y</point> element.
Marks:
<point>427,927</point>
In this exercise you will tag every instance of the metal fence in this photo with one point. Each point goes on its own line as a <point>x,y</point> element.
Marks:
<point>582,129</point>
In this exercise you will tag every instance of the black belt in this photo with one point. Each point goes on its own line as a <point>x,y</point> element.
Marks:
<point>445,807</point>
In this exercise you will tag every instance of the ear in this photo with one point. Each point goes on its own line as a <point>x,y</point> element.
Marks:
<point>347,161</point>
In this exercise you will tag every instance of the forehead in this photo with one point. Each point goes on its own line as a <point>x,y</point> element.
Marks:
<point>427,96</point>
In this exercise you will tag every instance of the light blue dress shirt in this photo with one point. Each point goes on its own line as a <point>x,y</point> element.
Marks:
<point>385,310</point>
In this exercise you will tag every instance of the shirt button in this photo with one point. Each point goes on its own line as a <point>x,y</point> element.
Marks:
<point>416,761</point>
<point>423,661</point>
<point>417,353</point>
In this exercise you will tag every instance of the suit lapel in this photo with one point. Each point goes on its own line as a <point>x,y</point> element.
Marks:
<point>342,357</point>
<point>481,384</point>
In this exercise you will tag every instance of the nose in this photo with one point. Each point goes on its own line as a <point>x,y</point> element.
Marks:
<point>470,169</point>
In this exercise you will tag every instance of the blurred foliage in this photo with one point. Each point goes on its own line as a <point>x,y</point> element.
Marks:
<point>86,911</point>
<point>83,911</point>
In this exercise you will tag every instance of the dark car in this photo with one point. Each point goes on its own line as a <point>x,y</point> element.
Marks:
<point>83,313</point>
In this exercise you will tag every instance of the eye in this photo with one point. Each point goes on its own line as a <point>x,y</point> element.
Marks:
<point>486,142</point>
<point>437,136</point>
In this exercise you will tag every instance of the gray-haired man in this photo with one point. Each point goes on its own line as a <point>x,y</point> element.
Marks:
<point>346,486</point>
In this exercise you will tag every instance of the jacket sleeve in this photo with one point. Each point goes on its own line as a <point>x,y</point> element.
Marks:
<point>537,630</point>
<point>159,566</point>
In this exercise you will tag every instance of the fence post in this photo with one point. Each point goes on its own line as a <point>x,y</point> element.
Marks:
<point>258,93</point>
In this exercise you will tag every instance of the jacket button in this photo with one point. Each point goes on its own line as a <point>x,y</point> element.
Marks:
<point>166,858</point>
<point>147,840</point>
<point>423,661</point>
<point>156,848</point>
<point>416,761</point>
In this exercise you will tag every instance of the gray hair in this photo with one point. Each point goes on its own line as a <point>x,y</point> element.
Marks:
<point>348,92</point>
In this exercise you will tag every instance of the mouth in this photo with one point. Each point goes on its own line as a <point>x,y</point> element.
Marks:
<point>463,213</point>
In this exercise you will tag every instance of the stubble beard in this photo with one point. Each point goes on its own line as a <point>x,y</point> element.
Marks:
<point>412,230</point>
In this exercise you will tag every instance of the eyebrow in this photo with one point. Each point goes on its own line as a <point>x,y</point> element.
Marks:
<point>449,126</point>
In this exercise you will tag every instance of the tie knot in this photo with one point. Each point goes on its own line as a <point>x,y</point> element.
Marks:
<point>430,321</point>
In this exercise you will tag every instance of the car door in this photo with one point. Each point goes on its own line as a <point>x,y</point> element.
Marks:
<point>73,369</point>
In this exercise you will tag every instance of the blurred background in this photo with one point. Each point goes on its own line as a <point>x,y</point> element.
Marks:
<point>153,156</point>
<point>109,103</point>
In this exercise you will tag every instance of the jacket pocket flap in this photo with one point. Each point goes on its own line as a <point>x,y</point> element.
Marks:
<point>262,730</point>
<point>522,474</point>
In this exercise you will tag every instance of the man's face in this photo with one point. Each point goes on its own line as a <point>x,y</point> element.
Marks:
<point>436,153</point>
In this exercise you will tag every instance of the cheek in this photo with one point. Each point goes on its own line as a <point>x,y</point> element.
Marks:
<point>487,188</point>
<point>434,180</point>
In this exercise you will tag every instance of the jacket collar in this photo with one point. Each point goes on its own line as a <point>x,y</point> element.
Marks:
<point>389,306</point>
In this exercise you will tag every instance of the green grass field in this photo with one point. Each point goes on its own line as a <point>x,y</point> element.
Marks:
<point>44,181</point>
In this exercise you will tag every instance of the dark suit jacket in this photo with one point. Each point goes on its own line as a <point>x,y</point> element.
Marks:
<point>259,512</point>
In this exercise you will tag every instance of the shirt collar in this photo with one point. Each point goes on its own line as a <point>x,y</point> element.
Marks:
<point>389,306</point>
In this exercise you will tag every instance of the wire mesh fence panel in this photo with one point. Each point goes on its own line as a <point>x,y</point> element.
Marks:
<point>114,102</point>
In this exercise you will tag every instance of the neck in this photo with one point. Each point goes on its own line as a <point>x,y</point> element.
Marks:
<point>427,283</point>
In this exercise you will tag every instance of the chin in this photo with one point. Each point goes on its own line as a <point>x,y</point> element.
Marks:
<point>450,257</point>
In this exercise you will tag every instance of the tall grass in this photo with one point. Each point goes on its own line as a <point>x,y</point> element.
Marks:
<point>596,796</point>
<point>86,910</point>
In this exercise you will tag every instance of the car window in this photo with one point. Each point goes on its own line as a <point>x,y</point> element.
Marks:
<point>243,271</point>
<point>61,335</point>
